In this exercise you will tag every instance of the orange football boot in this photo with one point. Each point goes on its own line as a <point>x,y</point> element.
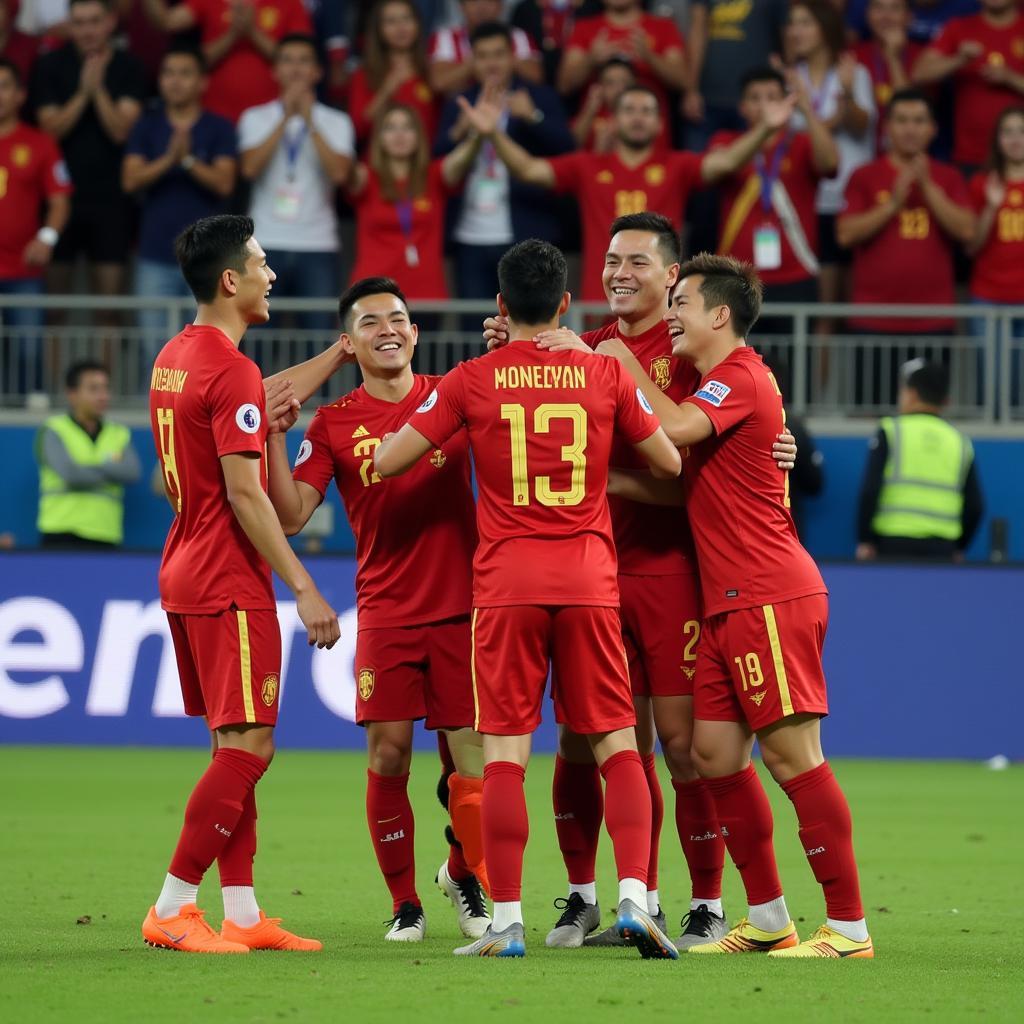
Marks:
<point>268,934</point>
<point>186,931</point>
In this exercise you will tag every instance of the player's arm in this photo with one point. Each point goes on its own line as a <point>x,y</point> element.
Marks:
<point>661,454</point>
<point>294,500</point>
<point>255,514</point>
<point>575,69</point>
<point>483,118</point>
<point>933,65</point>
<point>218,176</point>
<point>958,221</point>
<point>254,159</point>
<point>638,485</point>
<point>169,19</point>
<point>337,165</point>
<point>458,163</point>
<point>116,117</point>
<point>853,229</point>
<point>307,378</point>
<point>696,50</point>
<point>398,453</point>
<point>725,160</point>
<point>669,67</point>
<point>57,119</point>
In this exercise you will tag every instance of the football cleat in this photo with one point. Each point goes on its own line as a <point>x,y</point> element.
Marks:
<point>186,931</point>
<point>611,937</point>
<point>578,920</point>
<point>267,933</point>
<point>468,899</point>
<point>509,942</point>
<point>827,942</point>
<point>408,925</point>
<point>639,928</point>
<point>745,938</point>
<point>701,926</point>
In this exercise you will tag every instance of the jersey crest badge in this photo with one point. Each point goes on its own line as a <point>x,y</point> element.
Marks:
<point>661,371</point>
<point>438,458</point>
<point>690,672</point>
<point>714,392</point>
<point>758,697</point>
<point>365,683</point>
<point>605,177</point>
<point>21,155</point>
<point>269,689</point>
<point>655,174</point>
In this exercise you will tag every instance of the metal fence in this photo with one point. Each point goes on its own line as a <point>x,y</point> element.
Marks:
<point>832,375</point>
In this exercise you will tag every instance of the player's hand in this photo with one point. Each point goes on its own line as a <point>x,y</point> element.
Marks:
<point>179,145</point>
<point>995,74</point>
<point>893,40</point>
<point>319,618</point>
<point>795,86</point>
<point>776,113</point>
<point>594,101</point>
<point>496,332</point>
<point>521,105</point>
<point>562,340</point>
<point>37,253</point>
<point>613,347</point>
<point>602,49</point>
<point>241,13</point>
<point>94,70</point>
<point>640,44</point>
<point>784,450</point>
<point>866,552</point>
<point>482,116</point>
<point>902,185</point>
<point>995,190</point>
<point>692,106</point>
<point>846,68</point>
<point>970,49</point>
<point>282,407</point>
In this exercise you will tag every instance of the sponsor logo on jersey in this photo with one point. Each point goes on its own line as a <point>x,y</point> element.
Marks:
<point>248,418</point>
<point>305,450</point>
<point>360,431</point>
<point>438,458</point>
<point>21,155</point>
<point>661,371</point>
<point>816,850</point>
<point>644,404</point>
<point>714,392</point>
<point>269,689</point>
<point>364,683</point>
<point>429,402</point>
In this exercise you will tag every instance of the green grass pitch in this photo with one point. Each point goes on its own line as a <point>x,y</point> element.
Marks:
<point>85,836</point>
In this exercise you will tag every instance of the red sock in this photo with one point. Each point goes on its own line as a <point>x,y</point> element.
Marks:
<point>506,828</point>
<point>392,829</point>
<point>214,810</point>
<point>235,860</point>
<point>627,813</point>
<point>579,808</point>
<point>745,819</point>
<point>657,817</point>
<point>700,838</point>
<point>464,803</point>
<point>826,833</point>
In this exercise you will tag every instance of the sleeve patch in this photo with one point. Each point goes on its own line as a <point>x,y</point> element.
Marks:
<point>644,404</point>
<point>429,402</point>
<point>248,418</point>
<point>713,392</point>
<point>305,450</point>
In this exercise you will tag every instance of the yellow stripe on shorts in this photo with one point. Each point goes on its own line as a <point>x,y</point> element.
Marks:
<point>245,660</point>
<point>472,671</point>
<point>780,665</point>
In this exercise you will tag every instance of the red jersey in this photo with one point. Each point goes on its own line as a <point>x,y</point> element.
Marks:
<point>31,170</point>
<point>606,188</point>
<point>206,400</point>
<point>744,211</point>
<point>21,50</point>
<point>997,273</point>
<point>415,534</point>
<point>413,92</point>
<point>452,45</point>
<point>243,77</point>
<point>648,540</point>
<point>911,258</point>
<point>540,427</point>
<point>737,496</point>
<point>403,240</point>
<point>978,103</point>
<point>868,52</point>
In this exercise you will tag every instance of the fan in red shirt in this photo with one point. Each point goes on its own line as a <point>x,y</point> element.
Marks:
<point>653,45</point>
<point>17,47</point>
<point>594,126</point>
<point>984,53</point>
<point>394,69</point>
<point>210,423</point>
<point>544,589</point>
<point>239,38</point>
<point>415,538</point>
<point>905,213</point>
<point>635,177</point>
<point>759,668</point>
<point>399,197</point>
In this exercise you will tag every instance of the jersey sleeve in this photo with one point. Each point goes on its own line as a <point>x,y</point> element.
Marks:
<point>314,464</point>
<point>634,418</point>
<point>237,407</point>
<point>947,42</point>
<point>57,180</point>
<point>568,171</point>
<point>686,169</point>
<point>858,193</point>
<point>443,411</point>
<point>727,396</point>
<point>667,36</point>
<point>977,191</point>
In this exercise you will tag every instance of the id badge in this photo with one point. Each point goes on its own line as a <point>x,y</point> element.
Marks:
<point>412,256</point>
<point>486,196</point>
<point>767,247</point>
<point>286,203</point>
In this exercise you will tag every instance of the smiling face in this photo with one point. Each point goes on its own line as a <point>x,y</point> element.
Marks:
<point>380,335</point>
<point>690,325</point>
<point>250,289</point>
<point>399,137</point>
<point>636,277</point>
<point>1011,137</point>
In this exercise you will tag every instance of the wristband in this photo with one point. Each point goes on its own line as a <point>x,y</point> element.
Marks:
<point>48,236</point>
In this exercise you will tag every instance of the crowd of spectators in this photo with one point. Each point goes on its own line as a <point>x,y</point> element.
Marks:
<point>870,151</point>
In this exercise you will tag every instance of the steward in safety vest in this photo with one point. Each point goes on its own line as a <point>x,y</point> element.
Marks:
<point>920,497</point>
<point>84,463</point>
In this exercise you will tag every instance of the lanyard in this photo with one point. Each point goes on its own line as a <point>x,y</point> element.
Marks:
<point>292,147</point>
<point>818,96</point>
<point>769,174</point>
<point>403,207</point>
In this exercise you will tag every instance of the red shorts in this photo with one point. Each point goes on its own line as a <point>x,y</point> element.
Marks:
<point>229,665</point>
<point>761,665</point>
<point>413,672</point>
<point>660,629</point>
<point>512,649</point>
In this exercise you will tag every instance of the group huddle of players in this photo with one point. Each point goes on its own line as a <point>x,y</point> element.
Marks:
<point>576,562</point>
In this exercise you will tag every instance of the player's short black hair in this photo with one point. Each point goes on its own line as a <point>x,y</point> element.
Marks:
<point>616,62</point>
<point>185,50</point>
<point>491,30</point>
<point>728,282</point>
<point>929,380</point>
<point>303,39</point>
<point>531,277</point>
<point>668,240</point>
<point>363,287</point>
<point>765,73</point>
<point>9,65</point>
<point>76,371</point>
<point>911,94</point>
<point>107,4</point>
<point>645,89</point>
<point>210,246</point>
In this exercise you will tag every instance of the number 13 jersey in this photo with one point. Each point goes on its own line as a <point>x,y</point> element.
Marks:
<point>540,429</point>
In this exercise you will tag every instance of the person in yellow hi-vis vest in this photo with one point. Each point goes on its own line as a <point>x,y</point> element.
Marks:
<point>921,497</point>
<point>84,463</point>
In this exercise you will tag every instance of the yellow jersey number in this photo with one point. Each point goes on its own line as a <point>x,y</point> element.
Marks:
<point>573,453</point>
<point>165,432</point>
